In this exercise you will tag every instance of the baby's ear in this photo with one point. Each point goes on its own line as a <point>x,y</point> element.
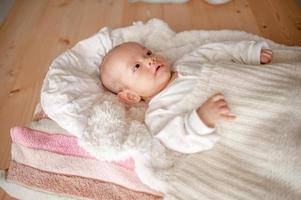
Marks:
<point>128,97</point>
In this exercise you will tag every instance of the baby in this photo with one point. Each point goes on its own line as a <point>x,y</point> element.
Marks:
<point>135,73</point>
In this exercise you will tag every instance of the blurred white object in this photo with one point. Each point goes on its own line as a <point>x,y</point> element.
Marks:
<point>159,1</point>
<point>217,1</point>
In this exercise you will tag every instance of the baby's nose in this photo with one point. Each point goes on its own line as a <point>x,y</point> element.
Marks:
<point>151,62</point>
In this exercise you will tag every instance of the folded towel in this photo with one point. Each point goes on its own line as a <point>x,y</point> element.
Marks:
<point>69,184</point>
<point>26,193</point>
<point>53,155</point>
<point>61,144</point>
<point>78,166</point>
<point>40,140</point>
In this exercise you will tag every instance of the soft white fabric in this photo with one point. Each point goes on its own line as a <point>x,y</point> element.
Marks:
<point>247,52</point>
<point>182,130</point>
<point>257,156</point>
<point>72,85</point>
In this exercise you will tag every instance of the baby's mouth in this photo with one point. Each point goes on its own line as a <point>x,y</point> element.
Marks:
<point>158,67</point>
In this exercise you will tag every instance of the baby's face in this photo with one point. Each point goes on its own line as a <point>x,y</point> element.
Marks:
<point>139,70</point>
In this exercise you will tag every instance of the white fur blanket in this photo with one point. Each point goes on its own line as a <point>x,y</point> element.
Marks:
<point>258,156</point>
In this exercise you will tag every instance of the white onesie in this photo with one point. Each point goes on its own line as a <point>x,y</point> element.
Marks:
<point>185,132</point>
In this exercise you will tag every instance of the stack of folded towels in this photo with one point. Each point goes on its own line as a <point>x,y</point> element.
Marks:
<point>53,164</point>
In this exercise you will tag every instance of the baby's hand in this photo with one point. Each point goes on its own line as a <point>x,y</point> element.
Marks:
<point>265,56</point>
<point>215,110</point>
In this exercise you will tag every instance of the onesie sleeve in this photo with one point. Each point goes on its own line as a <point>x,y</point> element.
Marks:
<point>184,132</point>
<point>247,52</point>
<point>195,124</point>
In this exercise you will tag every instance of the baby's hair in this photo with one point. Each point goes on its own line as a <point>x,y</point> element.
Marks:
<point>113,85</point>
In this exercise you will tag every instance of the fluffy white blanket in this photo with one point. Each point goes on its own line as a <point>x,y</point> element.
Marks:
<point>258,156</point>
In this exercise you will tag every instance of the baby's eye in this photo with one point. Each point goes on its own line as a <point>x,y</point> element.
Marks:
<point>136,67</point>
<point>149,52</point>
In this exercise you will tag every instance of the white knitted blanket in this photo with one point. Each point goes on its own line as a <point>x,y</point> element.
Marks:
<point>258,156</point>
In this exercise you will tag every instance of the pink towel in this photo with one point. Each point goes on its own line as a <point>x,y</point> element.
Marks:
<point>78,166</point>
<point>73,185</point>
<point>62,144</point>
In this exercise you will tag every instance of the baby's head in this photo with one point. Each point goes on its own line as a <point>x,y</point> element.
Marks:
<point>134,73</point>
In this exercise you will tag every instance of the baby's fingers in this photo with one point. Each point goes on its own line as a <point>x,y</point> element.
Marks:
<point>265,59</point>
<point>265,56</point>
<point>217,97</point>
<point>224,110</point>
<point>268,55</point>
<point>221,104</point>
<point>228,117</point>
<point>268,51</point>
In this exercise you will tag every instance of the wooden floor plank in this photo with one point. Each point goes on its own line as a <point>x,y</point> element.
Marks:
<point>273,18</point>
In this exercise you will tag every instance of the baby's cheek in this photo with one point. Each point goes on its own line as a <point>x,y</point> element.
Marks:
<point>159,57</point>
<point>144,84</point>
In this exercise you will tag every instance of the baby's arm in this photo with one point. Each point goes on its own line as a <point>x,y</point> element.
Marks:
<point>182,132</point>
<point>189,132</point>
<point>248,52</point>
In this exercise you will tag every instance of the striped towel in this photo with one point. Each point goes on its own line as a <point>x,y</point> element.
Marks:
<point>49,165</point>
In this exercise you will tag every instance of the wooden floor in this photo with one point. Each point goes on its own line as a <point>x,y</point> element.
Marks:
<point>36,31</point>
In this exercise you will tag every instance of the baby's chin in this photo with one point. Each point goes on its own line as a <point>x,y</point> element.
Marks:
<point>164,72</point>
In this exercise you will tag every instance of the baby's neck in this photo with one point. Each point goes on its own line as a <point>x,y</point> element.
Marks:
<point>174,75</point>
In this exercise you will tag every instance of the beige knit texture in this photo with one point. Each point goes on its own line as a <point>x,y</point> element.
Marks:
<point>259,154</point>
